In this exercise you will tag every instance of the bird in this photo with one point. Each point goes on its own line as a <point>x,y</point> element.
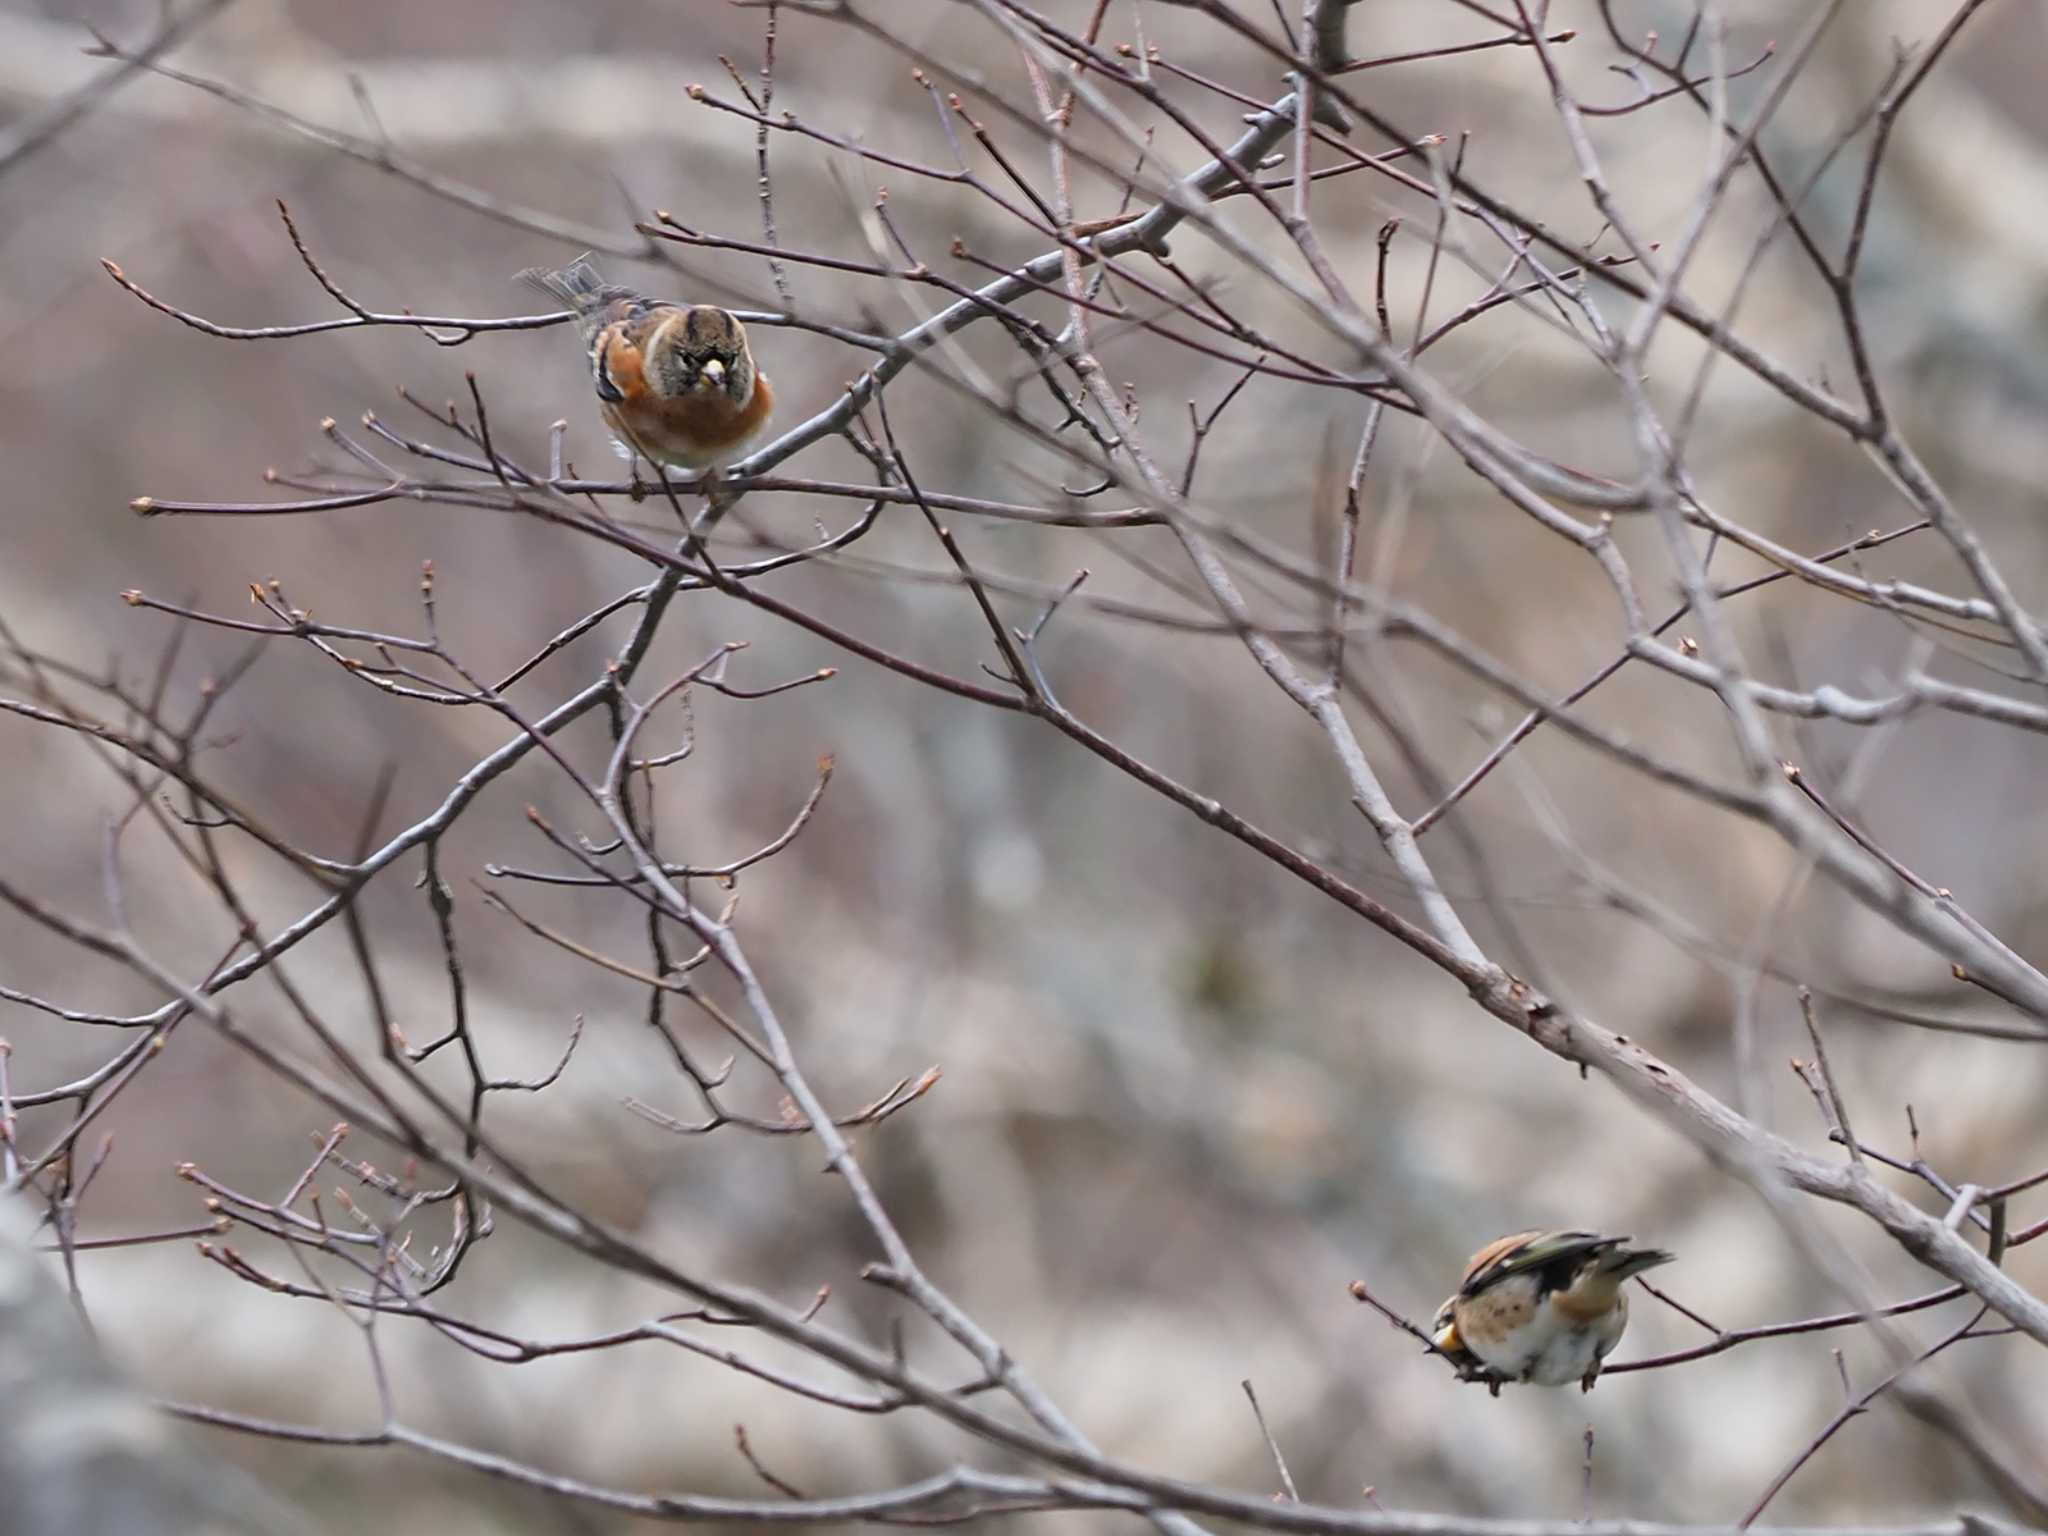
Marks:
<point>676,383</point>
<point>1543,1307</point>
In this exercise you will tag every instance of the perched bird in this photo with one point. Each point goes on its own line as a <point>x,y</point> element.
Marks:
<point>1541,1307</point>
<point>676,383</point>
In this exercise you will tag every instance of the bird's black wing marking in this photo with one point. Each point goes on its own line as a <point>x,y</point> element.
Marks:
<point>601,374</point>
<point>1563,1250</point>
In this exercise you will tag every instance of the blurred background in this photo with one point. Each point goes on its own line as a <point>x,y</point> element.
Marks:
<point>1185,1100</point>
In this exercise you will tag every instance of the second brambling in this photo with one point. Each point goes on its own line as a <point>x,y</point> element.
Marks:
<point>676,383</point>
<point>1541,1307</point>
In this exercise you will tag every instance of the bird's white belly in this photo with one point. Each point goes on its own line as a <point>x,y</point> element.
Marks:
<point>1548,1350</point>
<point>1565,1357</point>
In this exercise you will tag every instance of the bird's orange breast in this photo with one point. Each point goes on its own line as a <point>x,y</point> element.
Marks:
<point>1495,1313</point>
<point>692,430</point>
<point>621,362</point>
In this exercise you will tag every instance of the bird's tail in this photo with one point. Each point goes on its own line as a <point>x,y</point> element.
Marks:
<point>577,285</point>
<point>1624,1262</point>
<point>593,301</point>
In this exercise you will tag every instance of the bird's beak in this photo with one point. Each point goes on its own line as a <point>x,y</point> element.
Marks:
<point>715,371</point>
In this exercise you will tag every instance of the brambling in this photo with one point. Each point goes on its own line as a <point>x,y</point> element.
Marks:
<point>676,383</point>
<point>1541,1307</point>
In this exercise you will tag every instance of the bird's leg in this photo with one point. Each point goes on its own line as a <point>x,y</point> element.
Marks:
<point>668,489</point>
<point>639,491</point>
<point>1592,1374</point>
<point>707,487</point>
<point>1472,1370</point>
